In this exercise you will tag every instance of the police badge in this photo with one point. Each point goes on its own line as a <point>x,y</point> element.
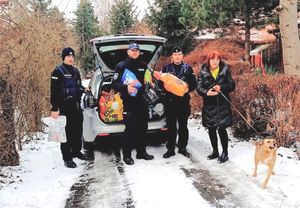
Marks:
<point>116,75</point>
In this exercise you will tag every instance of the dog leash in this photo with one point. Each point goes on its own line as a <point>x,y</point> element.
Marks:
<point>239,112</point>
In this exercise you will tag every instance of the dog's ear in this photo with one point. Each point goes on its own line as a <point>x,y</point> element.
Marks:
<point>252,141</point>
<point>277,143</point>
<point>260,143</point>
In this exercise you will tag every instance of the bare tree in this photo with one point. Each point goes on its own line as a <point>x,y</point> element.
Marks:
<point>31,40</point>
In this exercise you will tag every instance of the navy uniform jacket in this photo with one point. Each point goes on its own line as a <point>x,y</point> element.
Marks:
<point>184,72</point>
<point>57,85</point>
<point>138,68</point>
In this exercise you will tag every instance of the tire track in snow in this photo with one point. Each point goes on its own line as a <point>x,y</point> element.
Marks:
<point>103,185</point>
<point>208,187</point>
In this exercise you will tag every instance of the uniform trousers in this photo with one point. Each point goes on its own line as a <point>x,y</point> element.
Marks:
<point>71,109</point>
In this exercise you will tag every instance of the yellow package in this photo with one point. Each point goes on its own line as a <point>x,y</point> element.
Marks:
<point>111,107</point>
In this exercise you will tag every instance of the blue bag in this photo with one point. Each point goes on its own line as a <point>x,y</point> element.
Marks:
<point>128,77</point>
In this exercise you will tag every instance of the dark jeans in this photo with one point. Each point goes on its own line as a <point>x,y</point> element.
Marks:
<point>212,132</point>
<point>177,112</point>
<point>136,126</point>
<point>74,117</point>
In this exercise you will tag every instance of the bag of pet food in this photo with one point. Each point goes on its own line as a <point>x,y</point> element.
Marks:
<point>129,77</point>
<point>111,107</point>
<point>172,83</point>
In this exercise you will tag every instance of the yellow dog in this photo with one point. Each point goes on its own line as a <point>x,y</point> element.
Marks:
<point>265,152</point>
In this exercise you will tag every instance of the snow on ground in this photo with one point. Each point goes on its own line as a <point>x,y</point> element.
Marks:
<point>162,183</point>
<point>283,187</point>
<point>41,180</point>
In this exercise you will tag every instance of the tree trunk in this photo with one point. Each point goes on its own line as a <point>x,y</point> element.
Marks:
<point>289,36</point>
<point>247,31</point>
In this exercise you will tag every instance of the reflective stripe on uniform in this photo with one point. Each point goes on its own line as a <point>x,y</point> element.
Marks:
<point>54,77</point>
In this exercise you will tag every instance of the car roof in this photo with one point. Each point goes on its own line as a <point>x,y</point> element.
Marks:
<point>128,37</point>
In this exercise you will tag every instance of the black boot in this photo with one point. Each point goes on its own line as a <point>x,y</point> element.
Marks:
<point>90,155</point>
<point>128,160</point>
<point>184,152</point>
<point>213,155</point>
<point>224,157</point>
<point>81,156</point>
<point>214,143</point>
<point>169,153</point>
<point>70,164</point>
<point>144,156</point>
<point>224,141</point>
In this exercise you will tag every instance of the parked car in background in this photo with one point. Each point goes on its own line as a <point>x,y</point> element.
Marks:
<point>103,107</point>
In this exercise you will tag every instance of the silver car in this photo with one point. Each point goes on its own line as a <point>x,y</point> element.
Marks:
<point>108,52</point>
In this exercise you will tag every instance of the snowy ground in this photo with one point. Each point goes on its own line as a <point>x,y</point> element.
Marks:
<point>41,180</point>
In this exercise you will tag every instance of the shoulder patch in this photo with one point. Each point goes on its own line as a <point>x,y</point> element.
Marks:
<point>116,76</point>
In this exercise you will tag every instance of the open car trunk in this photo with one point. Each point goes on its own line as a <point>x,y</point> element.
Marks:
<point>108,52</point>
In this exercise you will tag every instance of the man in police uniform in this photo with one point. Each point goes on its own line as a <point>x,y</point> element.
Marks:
<point>135,107</point>
<point>177,108</point>
<point>66,91</point>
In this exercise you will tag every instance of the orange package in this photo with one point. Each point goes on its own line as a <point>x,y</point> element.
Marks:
<point>172,83</point>
<point>111,107</point>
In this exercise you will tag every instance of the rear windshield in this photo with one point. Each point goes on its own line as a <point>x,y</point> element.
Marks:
<point>111,55</point>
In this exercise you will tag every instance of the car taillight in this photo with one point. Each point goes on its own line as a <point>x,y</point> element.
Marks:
<point>103,134</point>
<point>164,129</point>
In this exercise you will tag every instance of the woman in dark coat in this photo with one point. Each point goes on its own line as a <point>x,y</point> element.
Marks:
<point>213,83</point>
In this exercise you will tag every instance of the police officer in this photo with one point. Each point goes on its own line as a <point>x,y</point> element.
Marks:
<point>135,107</point>
<point>177,108</point>
<point>66,91</point>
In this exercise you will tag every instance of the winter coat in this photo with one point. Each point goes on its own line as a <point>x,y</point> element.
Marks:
<point>65,86</point>
<point>138,68</point>
<point>216,111</point>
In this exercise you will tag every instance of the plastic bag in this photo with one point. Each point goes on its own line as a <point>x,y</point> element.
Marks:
<point>57,131</point>
<point>150,94</point>
<point>129,77</point>
<point>159,109</point>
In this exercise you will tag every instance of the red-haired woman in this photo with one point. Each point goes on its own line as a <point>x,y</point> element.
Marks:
<point>213,83</point>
